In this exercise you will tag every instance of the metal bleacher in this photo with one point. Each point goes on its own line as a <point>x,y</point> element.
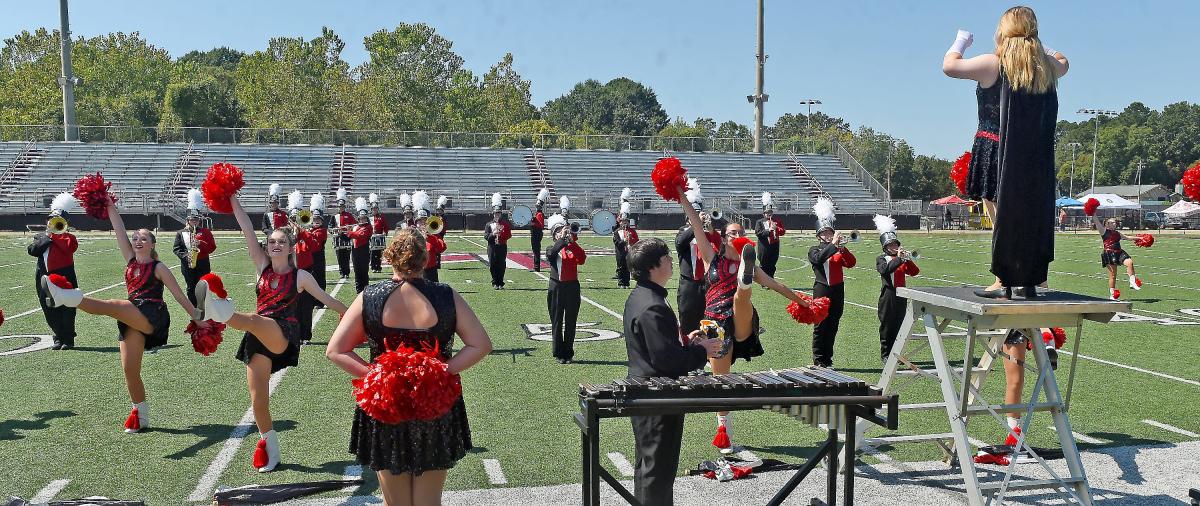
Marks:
<point>471,175</point>
<point>142,170</point>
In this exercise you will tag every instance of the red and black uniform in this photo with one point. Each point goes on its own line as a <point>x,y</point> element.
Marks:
<point>56,255</point>
<point>1113,254</point>
<point>205,245</point>
<point>146,293</point>
<point>306,248</point>
<point>360,239</point>
<point>536,226</point>
<point>278,298</point>
<point>379,225</point>
<point>563,295</point>
<point>320,235</point>
<point>434,247</point>
<point>892,307</point>
<point>828,261</point>
<point>497,233</point>
<point>768,232</point>
<point>275,219</point>
<point>623,239</point>
<point>691,277</point>
<point>343,219</point>
<point>721,280</point>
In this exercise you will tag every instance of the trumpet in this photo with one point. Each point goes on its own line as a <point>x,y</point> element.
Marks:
<point>435,225</point>
<point>56,225</point>
<point>304,218</point>
<point>716,214</point>
<point>911,255</point>
<point>853,238</point>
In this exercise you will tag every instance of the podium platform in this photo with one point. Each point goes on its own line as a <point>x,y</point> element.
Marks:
<point>983,323</point>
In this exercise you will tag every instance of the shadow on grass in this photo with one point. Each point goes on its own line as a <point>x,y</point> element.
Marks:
<point>41,421</point>
<point>513,351</point>
<point>212,434</point>
<point>601,362</point>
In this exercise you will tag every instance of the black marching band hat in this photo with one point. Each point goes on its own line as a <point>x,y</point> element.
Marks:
<point>886,226</point>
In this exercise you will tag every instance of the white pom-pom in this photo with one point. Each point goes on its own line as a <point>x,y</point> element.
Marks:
<point>275,190</point>
<point>195,199</point>
<point>824,210</point>
<point>442,201</point>
<point>497,199</point>
<point>564,203</point>
<point>317,202</point>
<point>373,198</point>
<point>420,200</point>
<point>543,195</point>
<point>626,193</point>
<point>884,224</point>
<point>360,205</point>
<point>63,203</point>
<point>295,200</point>
<point>766,199</point>
<point>341,194</point>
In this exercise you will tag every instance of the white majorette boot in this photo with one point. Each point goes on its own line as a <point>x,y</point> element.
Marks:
<point>266,454</point>
<point>59,295</point>
<point>211,300</point>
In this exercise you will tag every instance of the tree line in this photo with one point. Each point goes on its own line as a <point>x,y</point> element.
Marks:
<point>413,80</point>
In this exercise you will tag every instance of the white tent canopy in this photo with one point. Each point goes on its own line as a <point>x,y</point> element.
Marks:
<point>1110,201</point>
<point>1182,209</point>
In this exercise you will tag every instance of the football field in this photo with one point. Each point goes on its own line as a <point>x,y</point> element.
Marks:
<point>61,434</point>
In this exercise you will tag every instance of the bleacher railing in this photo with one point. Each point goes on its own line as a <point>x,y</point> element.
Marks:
<point>857,169</point>
<point>223,135</point>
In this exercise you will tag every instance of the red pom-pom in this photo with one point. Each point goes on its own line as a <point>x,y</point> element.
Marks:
<point>260,458</point>
<point>741,242</point>
<point>206,340</point>
<point>958,172</point>
<point>405,384</point>
<point>1090,207</point>
<point>1191,182</point>
<point>1060,337</point>
<point>1116,294</point>
<point>132,422</point>
<point>215,285</point>
<point>93,194</point>
<point>60,281</point>
<point>668,176</point>
<point>1144,241</point>
<point>223,181</point>
<point>721,440</point>
<point>816,311</point>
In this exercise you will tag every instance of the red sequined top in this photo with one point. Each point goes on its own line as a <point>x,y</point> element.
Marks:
<point>141,282</point>
<point>277,294</point>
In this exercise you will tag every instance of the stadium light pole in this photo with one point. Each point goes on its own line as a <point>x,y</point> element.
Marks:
<point>1096,114</point>
<point>808,127</point>
<point>67,80</point>
<point>758,98</point>
<point>1073,146</point>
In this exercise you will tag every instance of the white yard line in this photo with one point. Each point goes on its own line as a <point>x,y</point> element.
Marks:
<point>1084,438</point>
<point>1172,428</point>
<point>208,482</point>
<point>352,472</point>
<point>494,472</point>
<point>621,463</point>
<point>49,491</point>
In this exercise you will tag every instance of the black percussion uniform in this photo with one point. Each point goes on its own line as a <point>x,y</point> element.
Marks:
<point>360,237</point>
<point>497,249</point>
<point>655,346</point>
<point>768,244</point>
<point>623,238</point>
<point>192,275</point>
<point>378,226</point>
<point>343,218</point>
<point>563,295</point>
<point>691,279</point>
<point>891,306</point>
<point>55,255</point>
<point>827,261</point>
<point>536,225</point>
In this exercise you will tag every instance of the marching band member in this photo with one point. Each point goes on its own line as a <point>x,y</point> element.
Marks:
<point>563,294</point>
<point>440,212</point>
<point>274,217</point>
<point>652,340</point>
<point>497,233</point>
<point>360,237</point>
<point>55,251</point>
<point>379,227</point>
<point>343,221</point>
<point>828,258</point>
<point>143,321</point>
<point>272,335</point>
<point>690,296</point>
<point>536,226</point>
<point>729,278</point>
<point>434,244</point>
<point>406,206</point>
<point>303,250</point>
<point>193,245</point>
<point>320,234</point>
<point>1113,256</point>
<point>768,230</point>
<point>624,237</point>
<point>893,265</point>
<point>410,458</point>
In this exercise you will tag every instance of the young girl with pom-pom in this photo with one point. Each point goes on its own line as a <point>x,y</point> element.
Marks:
<point>272,335</point>
<point>411,458</point>
<point>1114,256</point>
<point>143,321</point>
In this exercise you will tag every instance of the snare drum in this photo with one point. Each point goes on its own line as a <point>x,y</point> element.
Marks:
<point>342,242</point>
<point>378,242</point>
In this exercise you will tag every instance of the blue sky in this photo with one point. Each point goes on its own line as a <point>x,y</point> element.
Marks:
<point>872,63</point>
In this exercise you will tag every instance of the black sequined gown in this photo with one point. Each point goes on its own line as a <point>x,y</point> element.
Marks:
<point>982,176</point>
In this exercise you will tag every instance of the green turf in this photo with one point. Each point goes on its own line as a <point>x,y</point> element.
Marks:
<point>64,410</point>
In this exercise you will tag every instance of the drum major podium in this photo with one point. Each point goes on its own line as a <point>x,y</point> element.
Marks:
<point>982,323</point>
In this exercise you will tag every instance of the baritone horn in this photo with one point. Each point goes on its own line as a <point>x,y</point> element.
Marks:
<point>56,225</point>
<point>435,225</point>
<point>304,218</point>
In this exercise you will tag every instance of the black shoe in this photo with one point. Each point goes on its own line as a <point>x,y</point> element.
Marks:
<point>746,269</point>
<point>57,346</point>
<point>1053,353</point>
<point>1029,292</point>
<point>1003,293</point>
<point>561,360</point>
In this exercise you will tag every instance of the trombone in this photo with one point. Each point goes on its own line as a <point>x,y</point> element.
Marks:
<point>56,225</point>
<point>434,225</point>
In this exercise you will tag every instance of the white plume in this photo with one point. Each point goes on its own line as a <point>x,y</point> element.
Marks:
<point>275,190</point>
<point>341,194</point>
<point>295,200</point>
<point>884,224</point>
<point>373,198</point>
<point>405,200</point>
<point>626,193</point>
<point>63,203</point>
<point>497,200</point>
<point>564,203</point>
<point>420,200</point>
<point>625,208</point>
<point>555,221</point>
<point>317,202</point>
<point>693,191</point>
<point>824,210</point>
<point>442,200</point>
<point>360,205</point>
<point>195,199</point>
<point>543,195</point>
<point>766,199</point>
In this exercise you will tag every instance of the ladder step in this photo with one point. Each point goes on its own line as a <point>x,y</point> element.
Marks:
<point>958,370</point>
<point>876,441</point>
<point>1013,408</point>
<point>923,406</point>
<point>1031,484</point>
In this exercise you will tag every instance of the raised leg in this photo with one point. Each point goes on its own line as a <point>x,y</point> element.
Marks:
<point>264,329</point>
<point>120,310</point>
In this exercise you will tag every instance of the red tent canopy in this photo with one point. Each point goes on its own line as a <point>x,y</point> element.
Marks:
<point>953,200</point>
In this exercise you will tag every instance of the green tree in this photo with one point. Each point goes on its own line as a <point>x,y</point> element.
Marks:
<point>405,82</point>
<point>622,106</point>
<point>222,57</point>
<point>507,96</point>
<point>199,95</point>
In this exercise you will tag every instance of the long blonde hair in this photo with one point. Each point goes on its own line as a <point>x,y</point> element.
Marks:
<point>1022,56</point>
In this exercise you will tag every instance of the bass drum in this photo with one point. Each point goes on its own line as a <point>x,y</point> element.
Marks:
<point>603,222</point>
<point>521,216</point>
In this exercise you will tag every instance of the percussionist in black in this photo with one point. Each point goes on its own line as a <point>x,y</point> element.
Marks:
<point>657,349</point>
